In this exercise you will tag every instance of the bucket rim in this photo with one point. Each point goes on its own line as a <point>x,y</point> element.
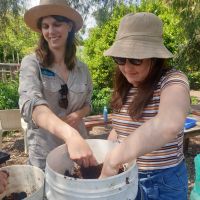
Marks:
<point>28,166</point>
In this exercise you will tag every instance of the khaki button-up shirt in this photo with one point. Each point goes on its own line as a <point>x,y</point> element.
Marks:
<point>39,85</point>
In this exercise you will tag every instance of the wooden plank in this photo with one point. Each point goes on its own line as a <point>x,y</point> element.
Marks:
<point>96,120</point>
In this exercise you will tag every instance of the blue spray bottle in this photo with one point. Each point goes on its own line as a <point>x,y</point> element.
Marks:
<point>105,115</point>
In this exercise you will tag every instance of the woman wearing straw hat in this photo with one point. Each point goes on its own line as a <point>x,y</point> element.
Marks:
<point>55,88</point>
<point>150,103</point>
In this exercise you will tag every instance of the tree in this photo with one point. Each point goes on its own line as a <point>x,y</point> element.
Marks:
<point>189,51</point>
<point>101,9</point>
<point>14,7</point>
<point>189,12</point>
<point>16,41</point>
<point>104,9</point>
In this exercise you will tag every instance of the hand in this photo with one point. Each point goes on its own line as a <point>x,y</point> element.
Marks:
<point>3,181</point>
<point>109,168</point>
<point>113,135</point>
<point>79,151</point>
<point>72,119</point>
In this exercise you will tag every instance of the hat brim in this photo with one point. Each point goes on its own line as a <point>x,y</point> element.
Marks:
<point>32,16</point>
<point>138,50</point>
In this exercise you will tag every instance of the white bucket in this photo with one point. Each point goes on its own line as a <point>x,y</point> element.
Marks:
<point>123,186</point>
<point>25,178</point>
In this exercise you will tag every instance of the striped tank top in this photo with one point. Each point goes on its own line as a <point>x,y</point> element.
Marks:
<point>169,155</point>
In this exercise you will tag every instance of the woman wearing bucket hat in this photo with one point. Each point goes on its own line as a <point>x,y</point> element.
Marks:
<point>150,103</point>
<point>55,88</point>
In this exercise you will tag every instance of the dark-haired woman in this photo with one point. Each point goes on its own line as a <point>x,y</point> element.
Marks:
<point>150,103</point>
<point>55,88</point>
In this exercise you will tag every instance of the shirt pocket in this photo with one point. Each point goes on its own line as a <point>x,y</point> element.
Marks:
<point>51,84</point>
<point>77,95</point>
<point>78,88</point>
<point>51,87</point>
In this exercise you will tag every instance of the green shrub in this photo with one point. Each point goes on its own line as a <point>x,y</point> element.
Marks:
<point>9,94</point>
<point>194,79</point>
<point>194,100</point>
<point>100,99</point>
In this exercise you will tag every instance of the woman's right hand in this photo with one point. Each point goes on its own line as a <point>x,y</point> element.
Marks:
<point>3,181</point>
<point>78,148</point>
<point>79,151</point>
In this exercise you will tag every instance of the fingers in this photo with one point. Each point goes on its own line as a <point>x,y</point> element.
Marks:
<point>93,161</point>
<point>109,168</point>
<point>87,161</point>
<point>108,172</point>
<point>78,162</point>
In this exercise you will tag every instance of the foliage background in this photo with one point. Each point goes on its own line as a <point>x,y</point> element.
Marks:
<point>9,95</point>
<point>175,39</point>
<point>181,35</point>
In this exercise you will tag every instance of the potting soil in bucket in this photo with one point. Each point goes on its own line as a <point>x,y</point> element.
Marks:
<point>122,186</point>
<point>25,179</point>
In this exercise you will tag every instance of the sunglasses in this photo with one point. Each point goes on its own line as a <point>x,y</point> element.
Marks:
<point>122,61</point>
<point>63,102</point>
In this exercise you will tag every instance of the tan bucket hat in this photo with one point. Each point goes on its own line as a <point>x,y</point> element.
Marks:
<point>139,36</point>
<point>52,7</point>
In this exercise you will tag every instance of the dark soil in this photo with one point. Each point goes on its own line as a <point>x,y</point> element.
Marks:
<point>92,172</point>
<point>16,196</point>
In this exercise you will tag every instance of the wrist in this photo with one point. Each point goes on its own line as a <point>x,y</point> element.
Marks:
<point>66,132</point>
<point>115,159</point>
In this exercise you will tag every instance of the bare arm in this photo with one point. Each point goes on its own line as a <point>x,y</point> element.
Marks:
<point>113,135</point>
<point>78,148</point>
<point>173,109</point>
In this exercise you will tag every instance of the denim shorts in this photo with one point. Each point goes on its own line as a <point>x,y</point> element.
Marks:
<point>164,184</point>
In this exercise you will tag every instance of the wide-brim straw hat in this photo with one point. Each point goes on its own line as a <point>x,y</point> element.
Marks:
<point>139,36</point>
<point>52,7</point>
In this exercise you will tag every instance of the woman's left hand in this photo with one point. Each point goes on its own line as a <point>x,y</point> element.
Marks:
<point>109,167</point>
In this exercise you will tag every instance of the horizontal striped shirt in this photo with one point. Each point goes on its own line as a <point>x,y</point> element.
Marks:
<point>172,153</point>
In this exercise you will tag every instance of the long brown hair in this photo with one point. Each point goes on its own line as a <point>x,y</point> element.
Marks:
<point>145,89</point>
<point>43,52</point>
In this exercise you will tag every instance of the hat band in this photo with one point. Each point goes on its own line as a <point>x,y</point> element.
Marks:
<point>142,38</point>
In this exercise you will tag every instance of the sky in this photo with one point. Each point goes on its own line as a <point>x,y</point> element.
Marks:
<point>35,2</point>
